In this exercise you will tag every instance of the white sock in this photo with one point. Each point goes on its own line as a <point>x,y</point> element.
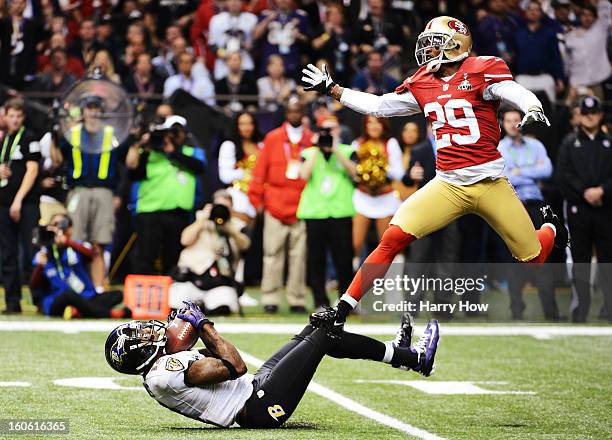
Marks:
<point>349,299</point>
<point>389,350</point>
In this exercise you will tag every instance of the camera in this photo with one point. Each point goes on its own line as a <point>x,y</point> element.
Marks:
<point>326,139</point>
<point>219,214</point>
<point>43,237</point>
<point>158,131</point>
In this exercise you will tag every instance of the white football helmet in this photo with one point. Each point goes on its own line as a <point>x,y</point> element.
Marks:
<point>444,40</point>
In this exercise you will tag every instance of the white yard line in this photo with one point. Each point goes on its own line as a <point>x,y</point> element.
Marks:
<point>356,407</point>
<point>536,331</point>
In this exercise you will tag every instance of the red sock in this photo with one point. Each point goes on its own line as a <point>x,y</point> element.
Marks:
<point>376,265</point>
<point>546,235</point>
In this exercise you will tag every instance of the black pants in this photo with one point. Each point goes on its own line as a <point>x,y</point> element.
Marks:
<point>98,306</point>
<point>12,237</point>
<point>590,227</point>
<point>159,233</point>
<point>335,234</point>
<point>543,274</point>
<point>281,382</point>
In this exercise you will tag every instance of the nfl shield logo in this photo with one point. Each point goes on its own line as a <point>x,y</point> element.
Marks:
<point>445,87</point>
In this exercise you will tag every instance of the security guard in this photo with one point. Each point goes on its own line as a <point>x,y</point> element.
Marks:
<point>91,154</point>
<point>585,176</point>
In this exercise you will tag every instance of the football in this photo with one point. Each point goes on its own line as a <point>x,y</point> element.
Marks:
<point>180,336</point>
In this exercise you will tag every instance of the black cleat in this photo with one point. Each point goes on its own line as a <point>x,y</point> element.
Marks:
<point>403,337</point>
<point>562,239</point>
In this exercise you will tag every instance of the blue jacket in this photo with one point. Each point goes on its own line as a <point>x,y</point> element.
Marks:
<point>69,273</point>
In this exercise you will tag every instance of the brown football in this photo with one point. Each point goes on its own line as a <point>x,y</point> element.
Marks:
<point>180,336</point>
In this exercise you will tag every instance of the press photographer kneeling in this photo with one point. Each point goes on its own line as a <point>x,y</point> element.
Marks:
<point>60,282</point>
<point>207,266</point>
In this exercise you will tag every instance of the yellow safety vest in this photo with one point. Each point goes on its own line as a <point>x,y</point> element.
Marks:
<point>77,161</point>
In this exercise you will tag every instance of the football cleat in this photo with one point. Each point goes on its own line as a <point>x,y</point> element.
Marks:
<point>426,348</point>
<point>562,239</point>
<point>403,336</point>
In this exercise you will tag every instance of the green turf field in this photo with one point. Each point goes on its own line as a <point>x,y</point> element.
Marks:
<point>570,376</point>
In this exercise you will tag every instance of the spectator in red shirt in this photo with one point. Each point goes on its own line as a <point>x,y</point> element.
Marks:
<point>73,64</point>
<point>275,188</point>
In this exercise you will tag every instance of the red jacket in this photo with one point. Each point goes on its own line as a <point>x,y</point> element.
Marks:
<point>269,187</point>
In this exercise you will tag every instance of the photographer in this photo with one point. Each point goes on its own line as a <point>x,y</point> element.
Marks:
<point>326,205</point>
<point>206,269</point>
<point>60,283</point>
<point>166,171</point>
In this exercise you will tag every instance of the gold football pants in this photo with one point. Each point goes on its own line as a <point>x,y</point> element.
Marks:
<point>439,203</point>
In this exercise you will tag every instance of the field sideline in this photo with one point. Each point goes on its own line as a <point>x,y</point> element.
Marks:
<point>501,386</point>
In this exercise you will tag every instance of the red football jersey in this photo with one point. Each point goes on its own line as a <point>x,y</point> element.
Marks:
<point>464,124</point>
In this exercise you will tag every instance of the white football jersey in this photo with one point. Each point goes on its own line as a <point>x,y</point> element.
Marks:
<point>216,404</point>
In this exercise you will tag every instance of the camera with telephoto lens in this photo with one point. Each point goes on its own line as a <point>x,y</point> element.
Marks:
<point>219,214</point>
<point>158,132</point>
<point>326,139</point>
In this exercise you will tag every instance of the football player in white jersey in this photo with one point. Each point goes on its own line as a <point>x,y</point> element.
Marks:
<point>212,385</point>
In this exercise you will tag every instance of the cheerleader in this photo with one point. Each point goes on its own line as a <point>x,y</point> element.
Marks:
<point>237,157</point>
<point>379,163</point>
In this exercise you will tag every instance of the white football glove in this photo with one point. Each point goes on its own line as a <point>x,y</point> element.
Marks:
<point>534,114</point>
<point>317,80</point>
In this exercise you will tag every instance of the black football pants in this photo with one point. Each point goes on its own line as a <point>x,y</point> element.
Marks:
<point>281,382</point>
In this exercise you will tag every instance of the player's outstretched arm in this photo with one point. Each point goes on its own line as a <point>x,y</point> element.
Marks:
<point>389,104</point>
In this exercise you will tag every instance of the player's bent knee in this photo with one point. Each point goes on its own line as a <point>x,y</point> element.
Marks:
<point>394,239</point>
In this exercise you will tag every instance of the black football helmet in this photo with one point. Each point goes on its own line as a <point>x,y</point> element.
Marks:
<point>131,347</point>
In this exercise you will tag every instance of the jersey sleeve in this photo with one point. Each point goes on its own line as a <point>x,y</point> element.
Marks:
<point>494,69</point>
<point>389,104</point>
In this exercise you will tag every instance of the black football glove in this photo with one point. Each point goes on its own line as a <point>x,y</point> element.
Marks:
<point>317,80</point>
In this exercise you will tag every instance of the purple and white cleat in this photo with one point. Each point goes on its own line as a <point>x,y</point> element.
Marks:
<point>426,348</point>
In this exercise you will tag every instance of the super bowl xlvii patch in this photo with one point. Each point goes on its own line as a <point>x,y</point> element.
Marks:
<point>173,364</point>
<point>465,84</point>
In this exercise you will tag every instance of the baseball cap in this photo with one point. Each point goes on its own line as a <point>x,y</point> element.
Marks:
<point>90,100</point>
<point>590,104</point>
<point>173,120</point>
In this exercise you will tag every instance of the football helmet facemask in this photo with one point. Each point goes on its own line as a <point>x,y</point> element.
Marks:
<point>444,40</point>
<point>131,347</point>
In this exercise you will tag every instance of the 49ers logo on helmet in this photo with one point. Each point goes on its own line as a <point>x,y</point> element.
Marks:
<point>457,26</point>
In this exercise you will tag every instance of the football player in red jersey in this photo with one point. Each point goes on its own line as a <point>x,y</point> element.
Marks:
<point>459,96</point>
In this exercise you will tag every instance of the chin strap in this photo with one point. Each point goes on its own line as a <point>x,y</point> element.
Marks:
<point>434,65</point>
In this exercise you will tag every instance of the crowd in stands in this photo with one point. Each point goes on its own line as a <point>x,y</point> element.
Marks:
<point>256,183</point>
